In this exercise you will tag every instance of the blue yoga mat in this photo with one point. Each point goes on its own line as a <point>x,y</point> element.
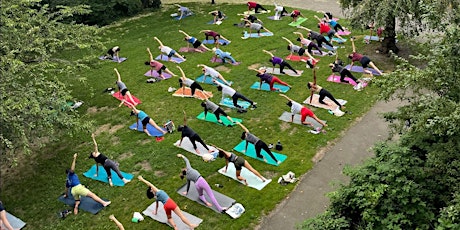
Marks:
<point>102,175</point>
<point>165,58</point>
<point>122,59</point>
<point>266,87</point>
<point>333,49</point>
<point>360,69</point>
<point>152,130</point>
<point>211,41</point>
<point>86,203</point>
<point>251,152</point>
<point>228,102</point>
<point>336,39</point>
<point>211,117</point>
<point>208,80</point>
<point>256,35</point>
<point>183,16</point>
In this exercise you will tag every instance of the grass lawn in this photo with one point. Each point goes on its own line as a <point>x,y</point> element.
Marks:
<point>31,191</point>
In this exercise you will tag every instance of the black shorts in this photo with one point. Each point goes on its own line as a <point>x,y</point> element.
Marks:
<point>365,61</point>
<point>301,51</point>
<point>239,163</point>
<point>196,44</point>
<point>145,121</point>
<point>161,69</point>
<point>195,85</point>
<point>123,92</point>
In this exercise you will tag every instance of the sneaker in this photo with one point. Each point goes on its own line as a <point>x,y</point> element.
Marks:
<point>254,106</point>
<point>270,146</point>
<point>171,89</point>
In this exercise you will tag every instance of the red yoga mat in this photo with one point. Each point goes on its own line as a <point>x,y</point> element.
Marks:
<point>118,96</point>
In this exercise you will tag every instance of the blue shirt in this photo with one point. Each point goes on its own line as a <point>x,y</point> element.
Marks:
<point>162,196</point>
<point>72,180</point>
<point>192,40</point>
<point>332,23</point>
<point>141,115</point>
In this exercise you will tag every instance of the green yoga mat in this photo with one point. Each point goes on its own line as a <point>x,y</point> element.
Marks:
<point>212,118</point>
<point>300,20</point>
<point>251,152</point>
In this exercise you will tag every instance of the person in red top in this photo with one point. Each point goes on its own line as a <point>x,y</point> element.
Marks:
<point>295,15</point>
<point>256,6</point>
<point>157,66</point>
<point>364,60</point>
<point>324,28</point>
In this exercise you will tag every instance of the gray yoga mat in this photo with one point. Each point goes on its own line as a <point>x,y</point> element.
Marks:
<point>15,222</point>
<point>161,216</point>
<point>223,200</point>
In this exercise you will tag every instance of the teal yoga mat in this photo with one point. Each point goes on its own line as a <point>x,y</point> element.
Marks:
<point>212,118</point>
<point>251,152</point>
<point>266,87</point>
<point>208,80</point>
<point>102,175</point>
<point>336,39</point>
<point>256,35</point>
<point>228,102</point>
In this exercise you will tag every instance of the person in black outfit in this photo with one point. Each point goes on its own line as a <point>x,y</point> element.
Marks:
<point>192,135</point>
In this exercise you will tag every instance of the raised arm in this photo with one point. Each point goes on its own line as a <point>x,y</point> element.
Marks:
<point>186,35</point>
<point>289,99</point>
<point>185,117</point>
<point>155,189</point>
<point>319,19</point>
<point>95,143</point>
<point>268,52</point>
<point>257,70</point>
<point>243,127</point>
<point>314,77</point>
<point>300,34</point>
<point>181,71</point>
<point>289,40</point>
<point>118,74</point>
<point>158,40</point>
<point>201,65</point>
<point>204,31</point>
<point>304,28</point>
<point>150,54</point>
<point>353,44</point>
<point>72,166</point>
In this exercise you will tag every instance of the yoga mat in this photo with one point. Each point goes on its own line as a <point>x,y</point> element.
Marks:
<point>332,106</point>
<point>187,146</point>
<point>223,200</point>
<point>211,117</point>
<point>118,96</point>
<point>293,57</point>
<point>251,152</point>
<point>228,102</point>
<point>266,87</point>
<point>15,222</point>
<point>343,33</point>
<point>183,16</point>
<point>211,41</point>
<point>188,93</point>
<point>274,18</point>
<point>330,48</point>
<point>218,22</point>
<point>208,80</point>
<point>336,39</point>
<point>254,12</point>
<point>215,59</point>
<point>152,130</point>
<point>164,57</point>
<point>287,71</point>
<point>286,116</point>
<point>336,79</point>
<point>122,59</point>
<point>156,75</point>
<point>359,69</point>
<point>247,35</point>
<point>102,175</point>
<point>300,20</point>
<point>190,49</point>
<point>251,178</point>
<point>162,218</point>
<point>317,53</point>
<point>86,203</point>
<point>372,38</point>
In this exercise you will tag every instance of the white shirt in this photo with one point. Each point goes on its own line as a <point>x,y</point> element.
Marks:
<point>166,49</point>
<point>296,107</point>
<point>188,82</point>
<point>211,72</point>
<point>226,90</point>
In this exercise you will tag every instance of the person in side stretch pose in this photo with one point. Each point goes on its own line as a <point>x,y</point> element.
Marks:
<point>235,95</point>
<point>184,81</point>
<point>195,42</point>
<point>323,93</point>
<point>123,90</point>
<point>209,71</point>
<point>157,66</point>
<point>215,109</point>
<point>145,119</point>
<point>216,36</point>
<point>269,79</point>
<point>297,108</point>
<point>282,63</point>
<point>258,144</point>
<point>218,15</point>
<point>168,51</point>
<point>256,6</point>
<point>364,60</point>
<point>192,136</point>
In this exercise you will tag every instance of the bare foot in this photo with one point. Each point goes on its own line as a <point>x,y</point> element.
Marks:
<point>193,226</point>
<point>107,203</point>
<point>208,204</point>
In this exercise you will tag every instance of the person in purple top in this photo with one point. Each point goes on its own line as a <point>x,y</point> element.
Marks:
<point>200,184</point>
<point>269,79</point>
<point>277,60</point>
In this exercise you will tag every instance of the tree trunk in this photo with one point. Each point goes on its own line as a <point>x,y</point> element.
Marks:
<point>389,39</point>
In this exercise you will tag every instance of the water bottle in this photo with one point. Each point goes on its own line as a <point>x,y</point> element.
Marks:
<point>330,111</point>
<point>219,185</point>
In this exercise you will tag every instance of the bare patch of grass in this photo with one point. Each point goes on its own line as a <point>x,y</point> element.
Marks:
<point>125,156</point>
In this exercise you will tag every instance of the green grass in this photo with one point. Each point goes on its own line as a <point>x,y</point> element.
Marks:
<point>31,191</point>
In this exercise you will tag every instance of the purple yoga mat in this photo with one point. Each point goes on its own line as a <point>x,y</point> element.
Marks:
<point>165,58</point>
<point>190,49</point>
<point>156,75</point>
<point>343,33</point>
<point>336,79</point>
<point>218,60</point>
<point>359,69</point>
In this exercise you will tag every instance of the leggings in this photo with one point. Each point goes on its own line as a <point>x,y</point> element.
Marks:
<point>217,113</point>
<point>323,39</point>
<point>347,73</point>
<point>201,184</point>
<point>236,96</point>
<point>285,64</point>
<point>195,86</point>
<point>261,145</point>
<point>110,164</point>
<point>258,6</point>
<point>338,27</point>
<point>314,45</point>
<point>195,138</point>
<point>277,80</point>
<point>324,93</point>
<point>227,56</point>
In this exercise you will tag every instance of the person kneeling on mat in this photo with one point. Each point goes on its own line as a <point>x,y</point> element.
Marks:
<point>113,53</point>
<point>215,109</point>
<point>297,108</point>
<point>192,136</point>
<point>258,144</point>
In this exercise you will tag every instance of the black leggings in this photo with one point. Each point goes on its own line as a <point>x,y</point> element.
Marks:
<point>313,45</point>
<point>261,145</point>
<point>323,39</point>
<point>338,27</point>
<point>109,164</point>
<point>324,93</point>
<point>285,64</point>
<point>236,96</point>
<point>258,6</point>
<point>347,73</point>
<point>217,113</point>
<point>195,138</point>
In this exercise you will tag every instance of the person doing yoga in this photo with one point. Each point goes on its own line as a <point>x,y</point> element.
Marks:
<point>282,63</point>
<point>323,93</point>
<point>256,6</point>
<point>168,51</point>
<point>297,108</point>
<point>192,136</point>
<point>208,71</point>
<point>195,42</point>
<point>145,119</point>
<point>364,60</point>
<point>316,36</point>
<point>337,67</point>
<point>259,145</point>
<point>157,66</point>
<point>184,81</point>
<point>303,42</point>
<point>123,90</point>
<point>235,95</point>
<point>215,109</point>
<point>269,79</point>
<point>216,36</point>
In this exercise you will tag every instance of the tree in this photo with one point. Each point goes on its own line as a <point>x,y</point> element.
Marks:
<point>33,48</point>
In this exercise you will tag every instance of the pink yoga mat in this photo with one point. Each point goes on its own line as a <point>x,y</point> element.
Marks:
<point>343,33</point>
<point>336,79</point>
<point>156,75</point>
<point>218,60</point>
<point>118,96</point>
<point>190,49</point>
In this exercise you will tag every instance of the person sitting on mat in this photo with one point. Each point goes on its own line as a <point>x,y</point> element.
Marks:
<point>195,42</point>
<point>3,220</point>
<point>127,97</point>
<point>184,11</point>
<point>215,109</point>
<point>307,43</point>
<point>258,144</point>
<point>113,53</point>
<point>239,163</point>
<point>280,11</point>
<point>118,223</point>
<point>364,60</point>
<point>229,91</point>
<point>218,16</point>
<point>168,204</point>
<point>184,81</point>
<point>312,35</point>
<point>297,108</point>
<point>107,163</point>
<point>295,14</point>
<point>337,67</point>
<point>277,60</point>
<point>216,36</point>
<point>325,29</point>
<point>192,136</point>
<point>168,51</point>
<point>157,66</point>
<point>323,93</point>
<point>208,71</point>
<point>145,119</point>
<point>78,189</point>
<point>256,26</point>
<point>269,79</point>
<point>223,55</point>
<point>256,6</point>
<point>201,184</point>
